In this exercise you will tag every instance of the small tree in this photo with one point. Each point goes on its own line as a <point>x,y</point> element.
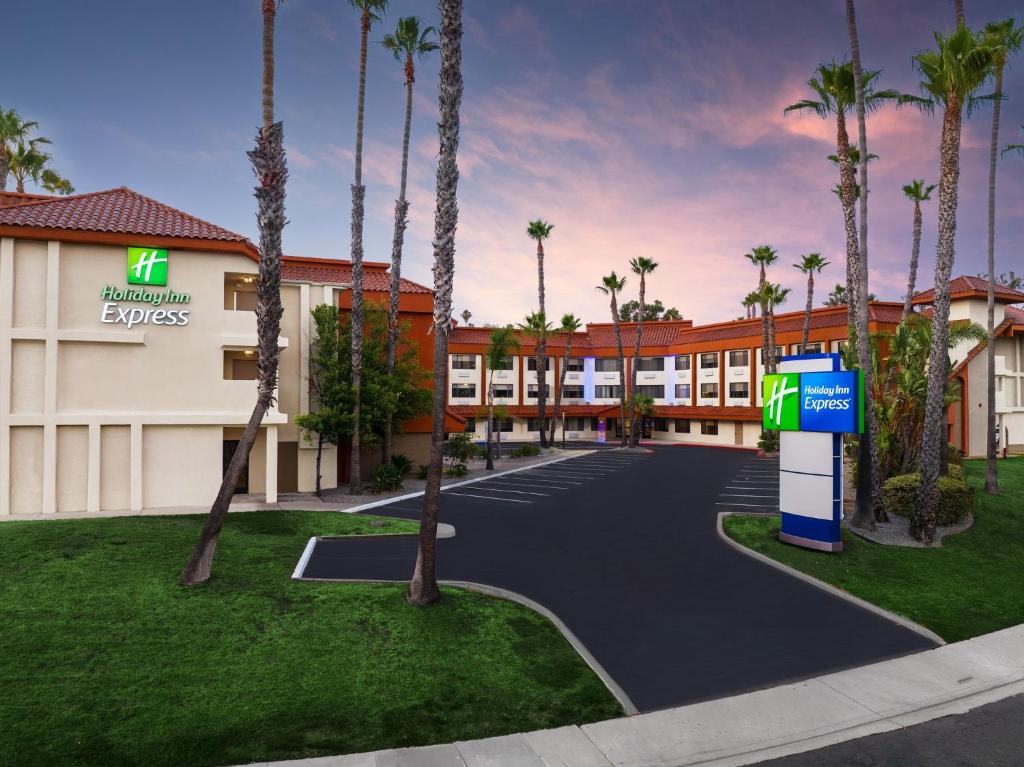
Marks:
<point>503,341</point>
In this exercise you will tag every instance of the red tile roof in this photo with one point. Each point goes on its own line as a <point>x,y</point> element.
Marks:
<point>966,286</point>
<point>481,334</point>
<point>792,321</point>
<point>7,199</point>
<point>1014,314</point>
<point>339,272</point>
<point>653,333</point>
<point>119,211</point>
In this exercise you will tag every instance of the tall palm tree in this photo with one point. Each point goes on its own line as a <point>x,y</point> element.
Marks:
<point>837,296</point>
<point>809,264</point>
<point>570,324</point>
<point>14,131</point>
<point>772,295</point>
<point>1005,38</point>
<point>641,266</point>
<point>268,164</point>
<point>917,193</point>
<point>536,328</point>
<point>749,303</point>
<point>28,163</point>
<point>369,12</point>
<point>950,75</point>
<point>540,230</point>
<point>762,257</point>
<point>612,285</point>
<point>423,586</point>
<point>503,341</point>
<point>406,43</point>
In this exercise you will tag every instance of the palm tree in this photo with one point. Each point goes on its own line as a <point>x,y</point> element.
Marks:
<point>406,43</point>
<point>917,193</point>
<point>749,304</point>
<point>612,285</point>
<point>503,341</point>
<point>268,164</point>
<point>570,324</point>
<point>1018,148</point>
<point>369,12</point>
<point>536,328</point>
<point>772,295</point>
<point>466,315</point>
<point>28,163</point>
<point>950,75</point>
<point>837,297</point>
<point>810,263</point>
<point>14,131</point>
<point>423,586</point>
<point>641,266</point>
<point>540,230</point>
<point>1005,38</point>
<point>764,256</point>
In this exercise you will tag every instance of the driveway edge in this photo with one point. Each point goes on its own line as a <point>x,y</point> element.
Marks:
<point>833,590</point>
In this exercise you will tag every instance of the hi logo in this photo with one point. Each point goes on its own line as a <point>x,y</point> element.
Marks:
<point>782,402</point>
<point>147,266</point>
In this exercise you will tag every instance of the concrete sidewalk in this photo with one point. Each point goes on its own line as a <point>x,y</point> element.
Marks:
<point>756,726</point>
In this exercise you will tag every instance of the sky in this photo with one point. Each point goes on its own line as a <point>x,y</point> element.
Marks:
<point>650,128</point>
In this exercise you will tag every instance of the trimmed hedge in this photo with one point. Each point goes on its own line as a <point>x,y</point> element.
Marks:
<point>956,499</point>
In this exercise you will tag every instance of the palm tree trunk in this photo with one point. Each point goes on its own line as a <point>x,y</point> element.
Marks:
<point>634,434</point>
<point>542,347</point>
<point>358,195</point>
<point>268,163</point>
<point>622,368</point>
<point>490,419</point>
<point>401,221</point>
<point>991,472</point>
<point>423,588</point>
<point>807,313</point>
<point>958,6</point>
<point>770,321</point>
<point>20,188</point>
<point>558,394</point>
<point>5,168</point>
<point>915,253</point>
<point>319,457</point>
<point>269,12</point>
<point>766,352</point>
<point>922,524</point>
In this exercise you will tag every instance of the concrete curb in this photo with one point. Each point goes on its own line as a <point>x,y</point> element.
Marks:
<point>836,592</point>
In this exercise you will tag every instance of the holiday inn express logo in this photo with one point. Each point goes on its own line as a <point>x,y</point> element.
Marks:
<point>147,266</point>
<point>782,402</point>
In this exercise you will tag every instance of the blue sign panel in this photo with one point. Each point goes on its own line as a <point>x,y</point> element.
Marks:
<point>828,402</point>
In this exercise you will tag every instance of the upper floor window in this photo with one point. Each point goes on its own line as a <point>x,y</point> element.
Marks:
<point>240,292</point>
<point>655,391</point>
<point>573,364</point>
<point>811,348</point>
<point>739,389</point>
<point>682,391</point>
<point>649,364</point>
<point>709,360</point>
<point>531,362</point>
<point>607,392</point>
<point>531,391</point>
<point>463,362</point>
<point>463,390</point>
<point>572,392</point>
<point>739,359</point>
<point>241,364</point>
<point>682,362</point>
<point>502,391</point>
<point>709,390</point>
<point>606,365</point>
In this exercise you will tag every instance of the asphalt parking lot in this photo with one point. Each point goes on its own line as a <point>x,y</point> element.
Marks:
<point>623,548</point>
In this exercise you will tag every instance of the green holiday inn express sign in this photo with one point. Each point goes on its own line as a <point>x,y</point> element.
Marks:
<point>147,268</point>
<point>817,401</point>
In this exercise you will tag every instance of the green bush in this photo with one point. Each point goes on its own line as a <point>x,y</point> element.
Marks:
<point>769,442</point>
<point>954,454</point>
<point>956,471</point>
<point>421,472</point>
<point>402,463</point>
<point>956,499</point>
<point>456,470</point>
<point>386,478</point>
<point>524,451</point>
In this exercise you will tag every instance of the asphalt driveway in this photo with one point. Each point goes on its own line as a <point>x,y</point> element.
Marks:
<point>623,548</point>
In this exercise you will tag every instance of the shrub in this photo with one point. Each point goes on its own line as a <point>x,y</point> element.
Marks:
<point>456,470</point>
<point>524,451</point>
<point>769,442</point>
<point>956,499</point>
<point>460,448</point>
<point>402,463</point>
<point>956,471</point>
<point>421,472</point>
<point>386,478</point>
<point>954,455</point>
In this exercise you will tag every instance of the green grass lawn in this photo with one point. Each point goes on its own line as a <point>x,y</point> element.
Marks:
<point>970,585</point>
<point>105,660</point>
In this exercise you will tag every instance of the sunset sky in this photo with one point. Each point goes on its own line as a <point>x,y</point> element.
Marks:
<point>644,128</point>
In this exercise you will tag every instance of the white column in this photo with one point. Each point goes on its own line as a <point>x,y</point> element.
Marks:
<point>95,457</point>
<point>136,467</point>
<point>50,378</point>
<point>271,478</point>
<point>6,316</point>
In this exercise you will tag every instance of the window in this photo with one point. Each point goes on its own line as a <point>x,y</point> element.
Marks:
<point>463,390</point>
<point>652,391</point>
<point>607,392</point>
<point>682,426</point>
<point>606,365</point>
<point>572,392</point>
<point>470,424</point>
<point>533,423</point>
<point>573,364</point>
<point>649,364</point>
<point>709,391</point>
<point>240,292</point>
<point>241,364</point>
<point>780,352</point>
<point>531,363</point>
<point>576,423</point>
<point>739,359</point>
<point>660,424</point>
<point>811,348</point>
<point>501,424</point>
<point>683,362</point>
<point>507,363</point>
<point>594,423</point>
<point>739,389</point>
<point>709,427</point>
<point>463,362</point>
<point>709,360</point>
<point>531,391</point>
<point>503,391</point>
<point>682,391</point>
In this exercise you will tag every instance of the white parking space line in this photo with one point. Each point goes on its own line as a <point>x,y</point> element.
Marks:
<point>750,505</point>
<point>516,484</point>
<point>564,477</point>
<point>581,472</point>
<point>744,495</point>
<point>532,478</point>
<point>514,492</point>
<point>490,498</point>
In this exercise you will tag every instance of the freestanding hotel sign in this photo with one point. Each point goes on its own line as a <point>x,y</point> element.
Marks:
<point>811,402</point>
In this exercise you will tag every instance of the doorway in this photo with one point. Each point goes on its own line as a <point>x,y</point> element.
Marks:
<point>230,445</point>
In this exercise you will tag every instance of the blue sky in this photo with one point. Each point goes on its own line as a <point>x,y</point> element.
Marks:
<point>646,128</point>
